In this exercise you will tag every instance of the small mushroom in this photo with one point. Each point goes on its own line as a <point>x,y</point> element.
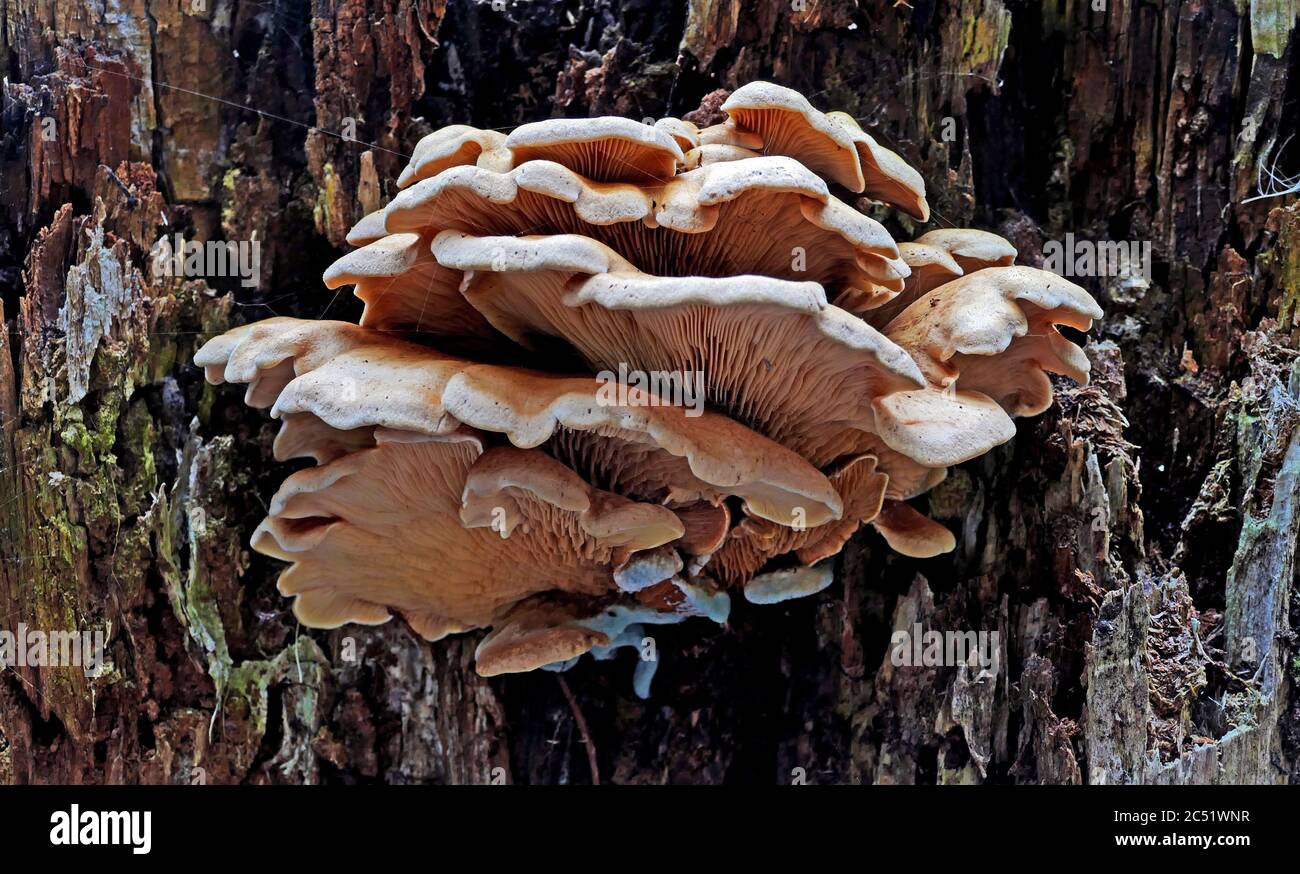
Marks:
<point>994,331</point>
<point>972,249</point>
<point>370,228</point>
<point>938,428</point>
<point>911,533</point>
<point>777,586</point>
<point>646,569</point>
<point>507,486</point>
<point>451,147</point>
<point>686,134</point>
<point>533,634</point>
<point>706,527</point>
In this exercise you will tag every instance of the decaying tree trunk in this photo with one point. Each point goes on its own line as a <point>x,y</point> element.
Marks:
<point>1134,548</point>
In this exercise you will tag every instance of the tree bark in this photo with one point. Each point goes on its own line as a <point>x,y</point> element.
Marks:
<point>1134,547</point>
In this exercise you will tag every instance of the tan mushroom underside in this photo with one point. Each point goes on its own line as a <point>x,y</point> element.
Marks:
<point>754,542</point>
<point>351,377</point>
<point>380,530</point>
<point>771,353</point>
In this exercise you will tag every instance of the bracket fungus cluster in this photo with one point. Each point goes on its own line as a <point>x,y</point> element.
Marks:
<point>474,472</point>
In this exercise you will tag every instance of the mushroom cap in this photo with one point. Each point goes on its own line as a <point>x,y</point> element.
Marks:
<point>508,486</point>
<point>778,586</point>
<point>351,377</point>
<point>302,435</point>
<point>829,143</point>
<point>685,133</point>
<point>649,568</point>
<point>453,146</point>
<point>886,176</point>
<point>930,265</point>
<point>994,331</point>
<point>789,125</point>
<point>936,258</point>
<point>912,533</point>
<point>347,376</point>
<point>371,227</point>
<point>971,248</point>
<point>939,428</point>
<point>772,481</point>
<point>536,633</point>
<point>405,289</point>
<point>604,149</point>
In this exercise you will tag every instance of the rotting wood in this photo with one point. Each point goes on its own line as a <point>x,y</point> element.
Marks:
<point>1157,523</point>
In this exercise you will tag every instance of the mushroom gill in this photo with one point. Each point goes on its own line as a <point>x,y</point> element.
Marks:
<point>611,374</point>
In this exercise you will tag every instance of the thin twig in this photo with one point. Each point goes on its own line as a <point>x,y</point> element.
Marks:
<point>582,730</point>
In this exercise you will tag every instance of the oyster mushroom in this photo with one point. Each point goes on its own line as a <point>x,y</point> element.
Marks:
<point>453,146</point>
<point>994,332</point>
<point>684,133</point>
<point>606,149</point>
<point>380,530</point>
<point>488,455</point>
<point>971,248</point>
<point>405,289</point>
<point>832,144</point>
<point>754,542</point>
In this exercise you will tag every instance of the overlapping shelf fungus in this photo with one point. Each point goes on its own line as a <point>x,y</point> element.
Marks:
<point>474,471</point>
